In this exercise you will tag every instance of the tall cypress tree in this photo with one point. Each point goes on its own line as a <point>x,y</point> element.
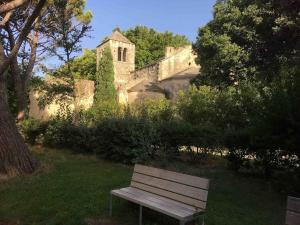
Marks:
<point>105,100</point>
<point>105,88</point>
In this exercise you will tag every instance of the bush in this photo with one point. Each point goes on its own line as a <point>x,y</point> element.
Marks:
<point>32,128</point>
<point>175,135</point>
<point>127,140</point>
<point>62,133</point>
<point>156,110</point>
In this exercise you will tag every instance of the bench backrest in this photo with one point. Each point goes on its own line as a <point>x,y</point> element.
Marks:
<point>190,190</point>
<point>293,211</point>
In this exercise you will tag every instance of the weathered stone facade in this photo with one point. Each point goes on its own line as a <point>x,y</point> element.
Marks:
<point>176,61</point>
<point>83,99</point>
<point>164,78</point>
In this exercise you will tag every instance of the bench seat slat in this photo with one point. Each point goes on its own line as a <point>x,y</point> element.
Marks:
<point>182,189</point>
<point>293,211</point>
<point>292,218</point>
<point>293,204</point>
<point>176,197</point>
<point>173,176</point>
<point>159,198</point>
<point>157,204</point>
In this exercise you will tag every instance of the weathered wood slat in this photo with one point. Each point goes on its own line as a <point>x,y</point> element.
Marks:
<point>186,200</point>
<point>177,195</point>
<point>161,198</point>
<point>168,209</point>
<point>292,218</point>
<point>293,204</point>
<point>174,187</point>
<point>173,176</point>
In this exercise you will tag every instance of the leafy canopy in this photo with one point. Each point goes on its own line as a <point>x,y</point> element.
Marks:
<point>248,40</point>
<point>81,67</point>
<point>150,44</point>
<point>65,30</point>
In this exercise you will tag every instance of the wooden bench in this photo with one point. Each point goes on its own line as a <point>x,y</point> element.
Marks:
<point>177,195</point>
<point>292,211</point>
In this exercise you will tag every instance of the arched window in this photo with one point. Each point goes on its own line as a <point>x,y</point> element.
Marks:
<point>119,54</point>
<point>124,54</point>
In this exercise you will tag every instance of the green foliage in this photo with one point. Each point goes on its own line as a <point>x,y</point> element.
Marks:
<point>209,106</point>
<point>65,30</point>
<point>104,110</point>
<point>81,67</point>
<point>247,40</point>
<point>31,129</point>
<point>155,110</point>
<point>105,99</point>
<point>105,87</point>
<point>59,93</point>
<point>250,121</point>
<point>61,133</point>
<point>150,44</point>
<point>127,140</point>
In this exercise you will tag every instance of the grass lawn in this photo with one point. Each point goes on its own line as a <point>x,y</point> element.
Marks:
<point>74,190</point>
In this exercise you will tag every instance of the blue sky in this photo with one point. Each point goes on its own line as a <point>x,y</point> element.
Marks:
<point>178,16</point>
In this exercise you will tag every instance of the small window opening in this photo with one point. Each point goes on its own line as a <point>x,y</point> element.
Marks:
<point>125,54</point>
<point>119,54</point>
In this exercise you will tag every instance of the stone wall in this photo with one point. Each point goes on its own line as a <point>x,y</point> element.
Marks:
<point>84,94</point>
<point>83,99</point>
<point>149,72</point>
<point>137,97</point>
<point>177,60</point>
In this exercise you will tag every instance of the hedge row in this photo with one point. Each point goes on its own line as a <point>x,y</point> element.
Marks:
<point>127,140</point>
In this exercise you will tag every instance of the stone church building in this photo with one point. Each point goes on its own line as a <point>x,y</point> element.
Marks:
<point>163,79</point>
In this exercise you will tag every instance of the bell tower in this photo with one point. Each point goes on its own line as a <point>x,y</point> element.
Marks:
<point>123,52</point>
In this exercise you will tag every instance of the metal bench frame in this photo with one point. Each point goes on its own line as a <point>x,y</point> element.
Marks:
<point>177,195</point>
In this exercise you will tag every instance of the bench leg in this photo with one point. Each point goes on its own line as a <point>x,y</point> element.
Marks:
<point>141,215</point>
<point>110,205</point>
<point>201,220</point>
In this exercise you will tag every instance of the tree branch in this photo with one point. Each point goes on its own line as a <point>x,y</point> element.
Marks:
<point>11,5</point>
<point>5,19</point>
<point>25,31</point>
<point>33,45</point>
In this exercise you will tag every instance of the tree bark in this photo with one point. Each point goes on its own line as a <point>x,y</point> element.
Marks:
<point>22,36</point>
<point>11,5</point>
<point>22,78</point>
<point>15,158</point>
<point>20,90</point>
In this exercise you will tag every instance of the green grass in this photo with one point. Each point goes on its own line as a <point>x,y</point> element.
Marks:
<point>74,188</point>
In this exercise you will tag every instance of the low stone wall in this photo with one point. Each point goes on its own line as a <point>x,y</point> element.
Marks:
<point>84,94</point>
<point>83,99</point>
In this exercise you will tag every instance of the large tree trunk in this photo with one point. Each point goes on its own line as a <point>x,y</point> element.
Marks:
<point>15,158</point>
<point>20,91</point>
<point>22,105</point>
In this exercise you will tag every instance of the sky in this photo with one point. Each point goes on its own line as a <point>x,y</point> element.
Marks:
<point>178,16</point>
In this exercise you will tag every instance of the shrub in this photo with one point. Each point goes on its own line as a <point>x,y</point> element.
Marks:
<point>62,133</point>
<point>128,140</point>
<point>177,134</point>
<point>32,128</point>
<point>155,110</point>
